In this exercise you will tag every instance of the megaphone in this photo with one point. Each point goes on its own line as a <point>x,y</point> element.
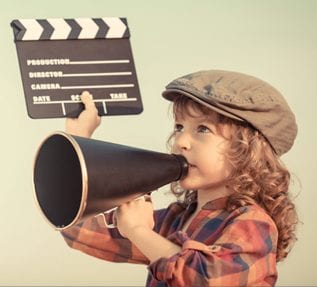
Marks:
<point>75,177</point>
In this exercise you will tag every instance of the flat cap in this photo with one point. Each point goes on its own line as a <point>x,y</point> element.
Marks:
<point>241,97</point>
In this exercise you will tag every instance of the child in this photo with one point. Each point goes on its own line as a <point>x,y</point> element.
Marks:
<point>233,219</point>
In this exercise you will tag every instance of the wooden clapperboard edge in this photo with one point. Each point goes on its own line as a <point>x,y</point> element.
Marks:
<point>111,99</point>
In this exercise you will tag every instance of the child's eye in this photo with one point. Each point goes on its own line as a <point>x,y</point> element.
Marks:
<point>203,129</point>
<point>178,128</point>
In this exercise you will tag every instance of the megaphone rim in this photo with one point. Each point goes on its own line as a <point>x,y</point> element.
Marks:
<point>84,175</point>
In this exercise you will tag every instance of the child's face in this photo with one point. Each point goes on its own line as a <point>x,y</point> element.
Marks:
<point>197,138</point>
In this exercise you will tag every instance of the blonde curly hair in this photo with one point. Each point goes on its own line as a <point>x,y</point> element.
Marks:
<point>258,175</point>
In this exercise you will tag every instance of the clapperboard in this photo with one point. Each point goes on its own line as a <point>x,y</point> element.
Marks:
<point>61,58</point>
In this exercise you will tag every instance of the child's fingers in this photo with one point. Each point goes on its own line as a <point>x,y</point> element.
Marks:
<point>87,100</point>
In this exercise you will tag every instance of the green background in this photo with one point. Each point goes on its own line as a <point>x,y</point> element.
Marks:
<point>273,40</point>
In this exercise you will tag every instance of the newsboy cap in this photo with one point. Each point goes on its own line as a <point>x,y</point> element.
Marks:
<point>241,97</point>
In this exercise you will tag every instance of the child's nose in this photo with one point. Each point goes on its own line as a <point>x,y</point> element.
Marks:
<point>183,142</point>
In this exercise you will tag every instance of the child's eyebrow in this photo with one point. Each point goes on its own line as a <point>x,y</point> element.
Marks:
<point>206,120</point>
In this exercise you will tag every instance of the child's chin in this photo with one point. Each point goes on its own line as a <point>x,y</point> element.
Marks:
<point>187,185</point>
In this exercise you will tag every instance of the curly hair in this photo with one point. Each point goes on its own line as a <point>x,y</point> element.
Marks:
<point>258,175</point>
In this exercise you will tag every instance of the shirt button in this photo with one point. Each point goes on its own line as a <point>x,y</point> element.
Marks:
<point>214,248</point>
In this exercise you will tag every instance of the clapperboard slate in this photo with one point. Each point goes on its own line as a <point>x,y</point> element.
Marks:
<point>61,58</point>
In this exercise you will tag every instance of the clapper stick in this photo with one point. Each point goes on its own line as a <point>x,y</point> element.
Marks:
<point>60,58</point>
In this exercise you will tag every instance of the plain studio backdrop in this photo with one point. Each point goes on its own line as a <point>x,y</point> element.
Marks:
<point>273,40</point>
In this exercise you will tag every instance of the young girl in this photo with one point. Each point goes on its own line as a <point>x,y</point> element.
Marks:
<point>233,219</point>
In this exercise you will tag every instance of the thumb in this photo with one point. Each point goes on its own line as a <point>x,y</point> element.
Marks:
<point>87,100</point>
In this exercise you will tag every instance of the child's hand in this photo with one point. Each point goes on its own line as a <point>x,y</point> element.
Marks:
<point>134,214</point>
<point>87,121</point>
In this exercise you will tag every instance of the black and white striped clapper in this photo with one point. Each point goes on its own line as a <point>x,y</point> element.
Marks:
<point>61,58</point>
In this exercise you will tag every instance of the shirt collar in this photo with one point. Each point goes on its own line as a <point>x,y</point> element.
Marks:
<point>216,204</point>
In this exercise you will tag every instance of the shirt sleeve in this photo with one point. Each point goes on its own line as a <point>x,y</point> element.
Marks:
<point>242,255</point>
<point>94,238</point>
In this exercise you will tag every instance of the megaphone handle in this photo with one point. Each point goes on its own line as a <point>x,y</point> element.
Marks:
<point>113,218</point>
<point>145,197</point>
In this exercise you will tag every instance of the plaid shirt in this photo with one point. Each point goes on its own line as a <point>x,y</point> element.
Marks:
<point>218,248</point>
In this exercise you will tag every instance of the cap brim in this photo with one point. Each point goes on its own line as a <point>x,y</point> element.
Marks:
<point>170,95</point>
